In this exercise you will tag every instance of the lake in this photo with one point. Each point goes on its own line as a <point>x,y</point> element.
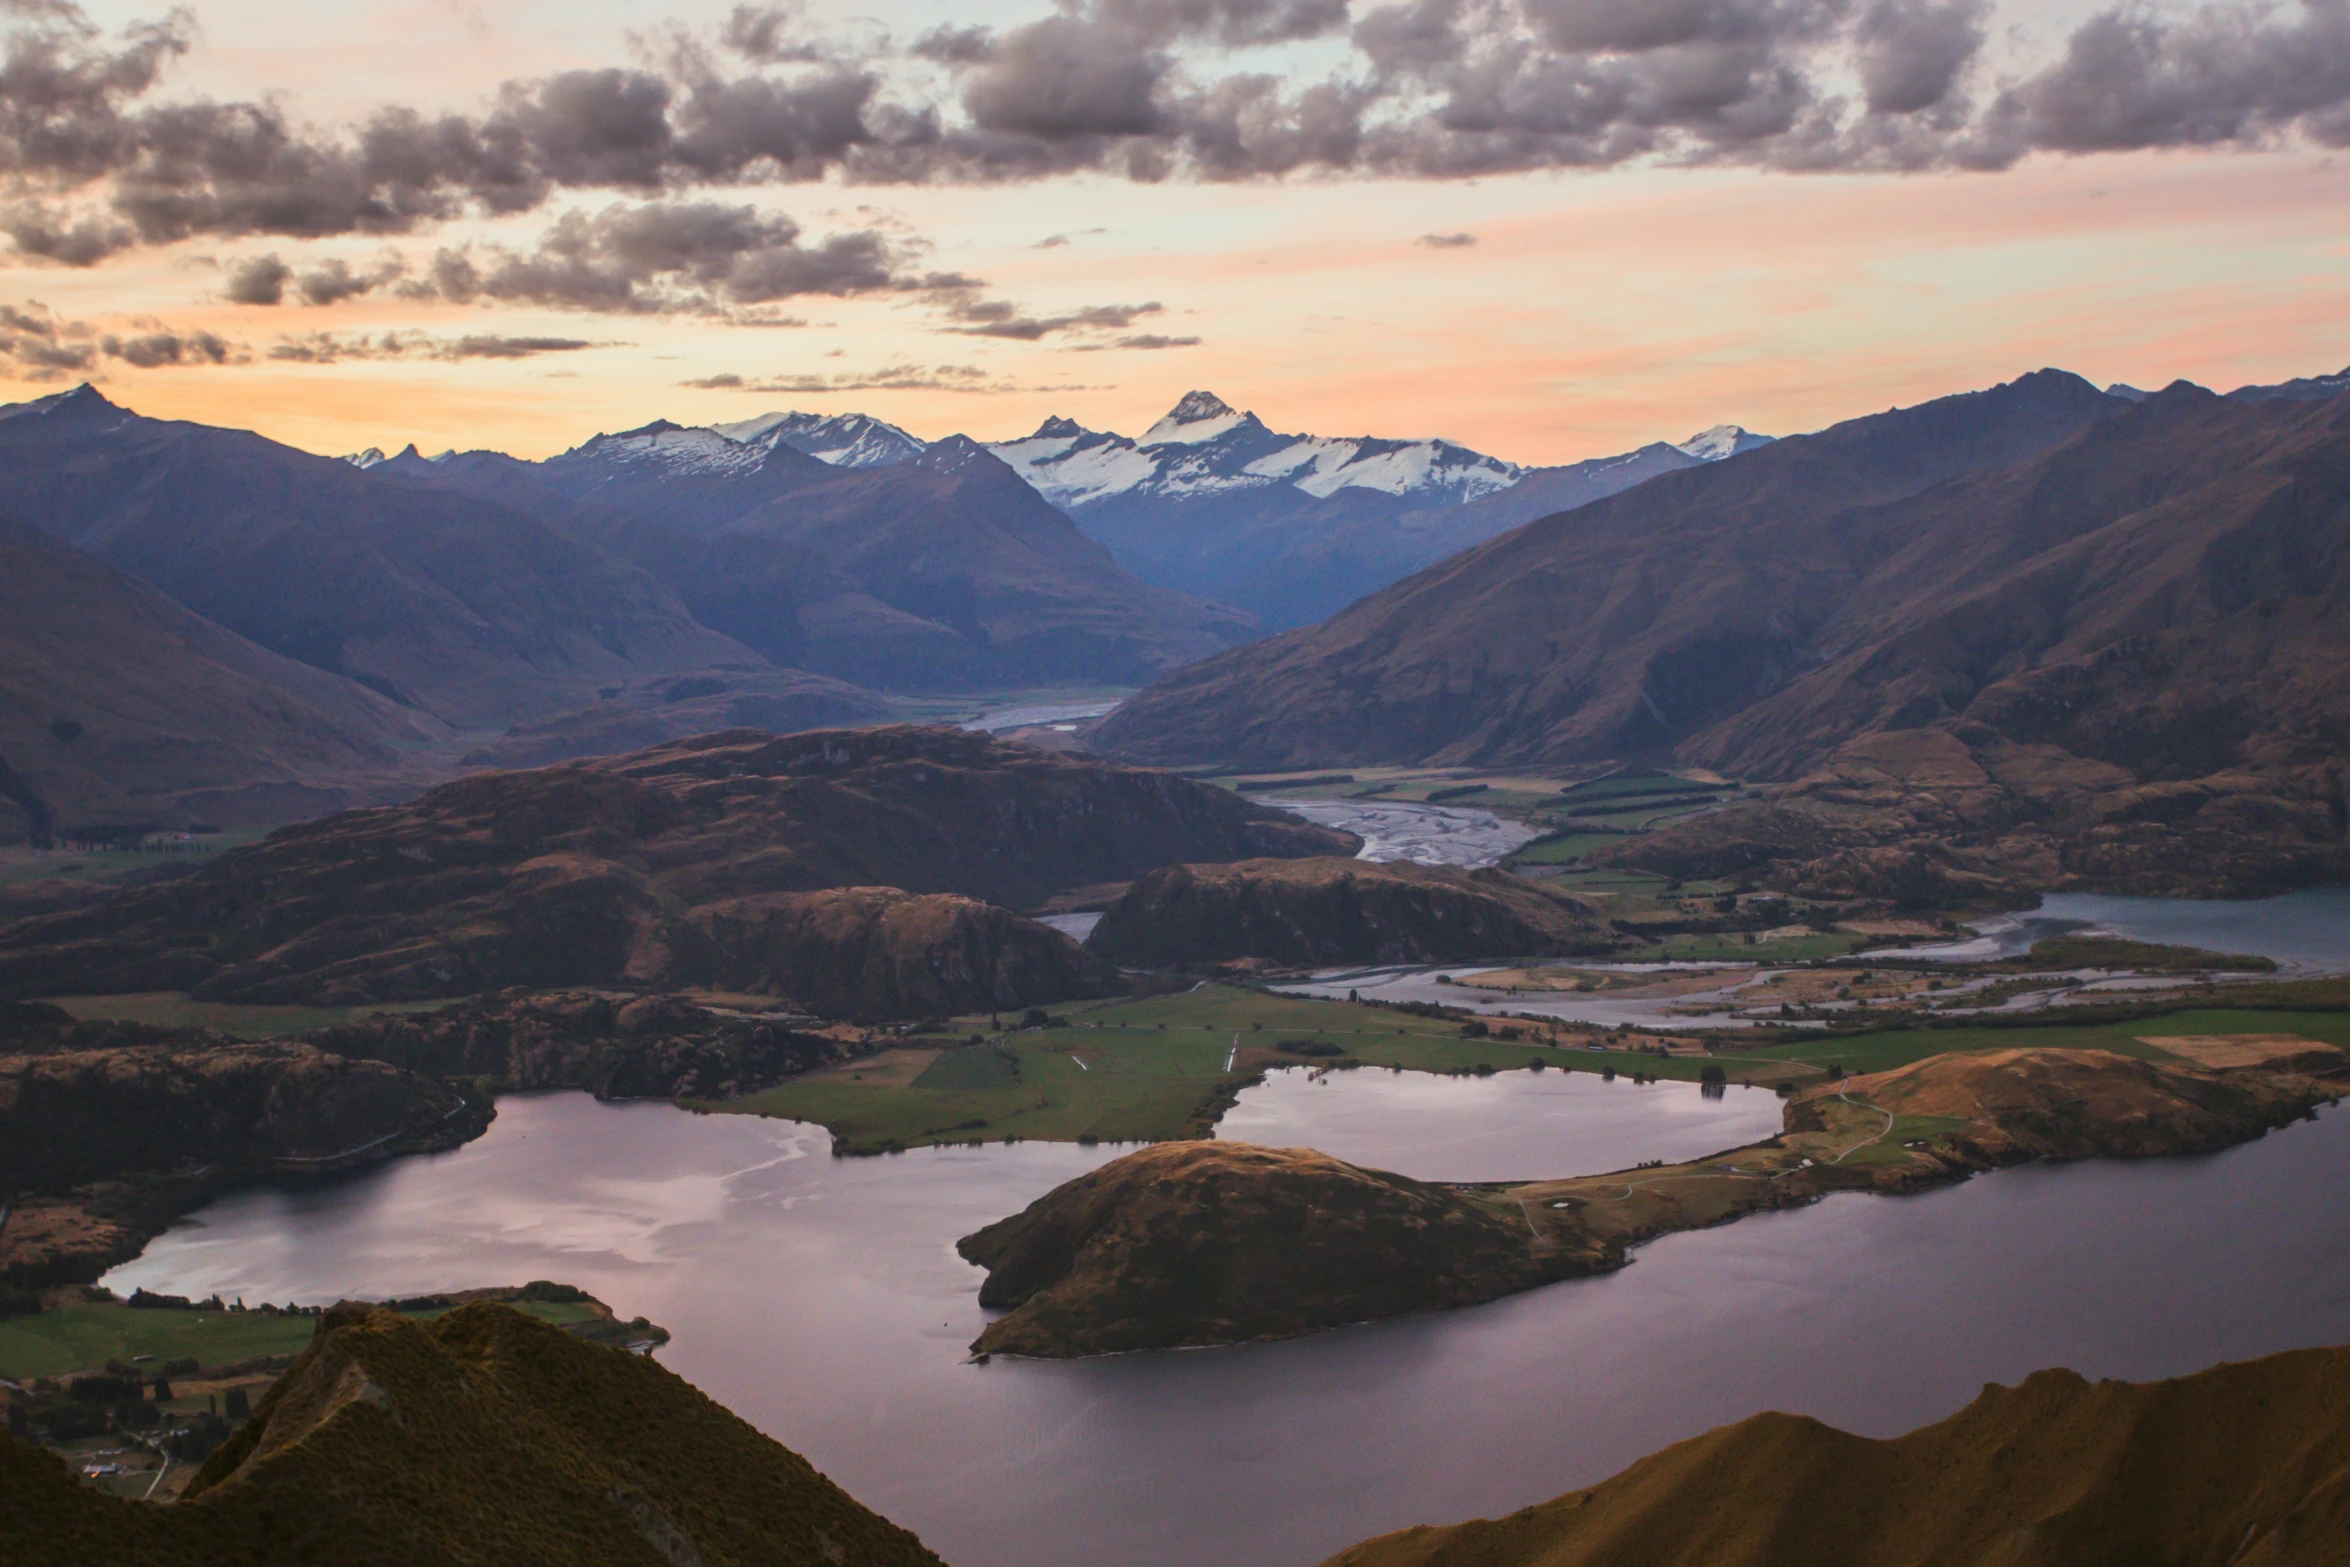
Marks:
<point>2306,932</point>
<point>821,1299</point>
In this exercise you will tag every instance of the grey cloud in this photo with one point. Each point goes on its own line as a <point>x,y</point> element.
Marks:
<point>672,256</point>
<point>2130,79</point>
<point>257,280</point>
<point>889,378</point>
<point>326,348</point>
<point>1446,241</point>
<point>1231,23</point>
<point>41,346</point>
<point>1001,318</point>
<point>1142,340</point>
<point>1065,78</point>
<point>92,161</point>
<point>954,45</point>
<point>763,34</point>
<point>154,349</point>
<point>1911,52</point>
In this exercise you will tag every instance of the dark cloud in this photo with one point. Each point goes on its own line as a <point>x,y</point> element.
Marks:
<point>153,349</point>
<point>1911,52</point>
<point>2221,75</point>
<point>95,156</point>
<point>669,256</point>
<point>1144,340</point>
<point>889,378</point>
<point>1065,78</point>
<point>41,347</point>
<point>1446,241</point>
<point>978,317</point>
<point>325,348</point>
<point>954,45</point>
<point>263,280</point>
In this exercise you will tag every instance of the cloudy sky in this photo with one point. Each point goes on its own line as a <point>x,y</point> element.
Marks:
<point>1545,228</point>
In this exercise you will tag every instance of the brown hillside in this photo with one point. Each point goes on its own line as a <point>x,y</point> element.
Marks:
<point>482,1436</point>
<point>2243,1464</point>
<point>1325,910</point>
<point>2107,657</point>
<point>119,708</point>
<point>1215,1243</point>
<point>634,870</point>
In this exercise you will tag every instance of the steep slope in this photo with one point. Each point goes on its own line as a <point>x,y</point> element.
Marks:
<point>2245,1463</point>
<point>1029,596</point>
<point>1619,629</point>
<point>670,707</point>
<point>481,1435</point>
<point>1310,912</point>
<point>941,571</point>
<point>651,870</point>
<point>119,708</point>
<point>478,615</point>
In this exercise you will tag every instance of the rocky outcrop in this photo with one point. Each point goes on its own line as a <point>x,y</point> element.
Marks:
<point>1215,1243</point>
<point>70,1115</point>
<point>1304,913</point>
<point>617,872</point>
<point>650,1047</point>
<point>481,1435</point>
<point>2245,1463</point>
<point>876,952</point>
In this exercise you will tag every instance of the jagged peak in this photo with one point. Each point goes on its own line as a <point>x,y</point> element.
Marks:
<point>1195,406</point>
<point>1057,427</point>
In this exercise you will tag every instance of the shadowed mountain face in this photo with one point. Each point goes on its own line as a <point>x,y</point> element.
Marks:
<point>2246,1464</point>
<point>119,708</point>
<point>1619,629</point>
<point>1322,911</point>
<point>474,613</point>
<point>938,571</point>
<point>482,1435</point>
<point>2030,638</point>
<point>709,861</point>
<point>670,707</point>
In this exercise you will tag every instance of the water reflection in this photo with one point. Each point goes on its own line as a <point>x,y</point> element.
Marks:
<point>1510,1126</point>
<point>822,1300</point>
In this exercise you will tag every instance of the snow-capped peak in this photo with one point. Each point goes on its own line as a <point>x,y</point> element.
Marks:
<point>366,459</point>
<point>843,440</point>
<point>1723,440</point>
<point>1196,417</point>
<point>672,448</point>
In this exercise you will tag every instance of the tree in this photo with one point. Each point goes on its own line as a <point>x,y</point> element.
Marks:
<point>237,1406</point>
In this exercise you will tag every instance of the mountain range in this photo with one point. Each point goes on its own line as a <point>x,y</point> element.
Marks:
<point>2034,637</point>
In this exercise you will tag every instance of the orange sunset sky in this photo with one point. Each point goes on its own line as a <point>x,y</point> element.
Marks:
<point>1698,278</point>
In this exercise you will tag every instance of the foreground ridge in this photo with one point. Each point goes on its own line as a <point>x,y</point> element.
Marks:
<point>2247,1464</point>
<point>484,1436</point>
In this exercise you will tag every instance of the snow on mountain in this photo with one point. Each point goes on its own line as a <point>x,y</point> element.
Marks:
<point>662,447</point>
<point>843,440</point>
<point>1204,446</point>
<point>366,459</point>
<point>1723,440</point>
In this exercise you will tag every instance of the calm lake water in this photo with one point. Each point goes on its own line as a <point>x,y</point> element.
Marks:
<point>2306,932</point>
<point>1512,1126</point>
<point>822,1300</point>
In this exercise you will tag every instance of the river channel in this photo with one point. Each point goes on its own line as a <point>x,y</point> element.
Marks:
<point>821,1299</point>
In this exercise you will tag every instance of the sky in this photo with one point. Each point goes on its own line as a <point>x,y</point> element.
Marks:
<point>1545,229</point>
